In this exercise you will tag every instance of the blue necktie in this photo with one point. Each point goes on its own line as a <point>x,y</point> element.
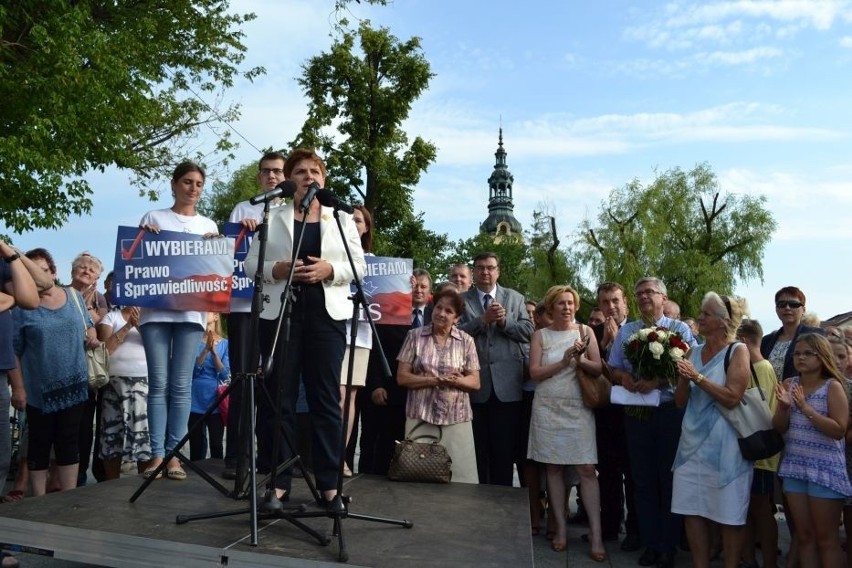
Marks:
<point>416,321</point>
<point>486,301</point>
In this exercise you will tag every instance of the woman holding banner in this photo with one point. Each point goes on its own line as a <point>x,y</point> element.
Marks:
<point>171,337</point>
<point>319,308</point>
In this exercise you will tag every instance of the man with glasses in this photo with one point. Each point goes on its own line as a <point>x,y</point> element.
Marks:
<point>497,319</point>
<point>270,174</point>
<point>652,437</point>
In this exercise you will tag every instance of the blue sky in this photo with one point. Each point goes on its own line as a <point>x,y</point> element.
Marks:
<point>591,95</point>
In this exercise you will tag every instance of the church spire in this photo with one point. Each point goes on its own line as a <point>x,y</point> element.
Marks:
<point>501,218</point>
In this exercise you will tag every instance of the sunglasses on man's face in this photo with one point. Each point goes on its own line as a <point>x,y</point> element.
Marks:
<point>788,304</point>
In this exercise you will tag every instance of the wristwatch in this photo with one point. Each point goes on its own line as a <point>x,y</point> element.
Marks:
<point>12,258</point>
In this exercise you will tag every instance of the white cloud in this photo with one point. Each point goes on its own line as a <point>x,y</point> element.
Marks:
<point>846,42</point>
<point>683,26</point>
<point>747,56</point>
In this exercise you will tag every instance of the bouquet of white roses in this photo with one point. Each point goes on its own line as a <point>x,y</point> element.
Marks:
<point>653,352</point>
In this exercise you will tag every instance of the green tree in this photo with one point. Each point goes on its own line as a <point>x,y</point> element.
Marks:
<point>219,200</point>
<point>683,229</point>
<point>410,239</point>
<point>550,264</point>
<point>88,85</point>
<point>367,96</point>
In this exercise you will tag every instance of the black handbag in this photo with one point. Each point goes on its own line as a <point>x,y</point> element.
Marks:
<point>425,462</point>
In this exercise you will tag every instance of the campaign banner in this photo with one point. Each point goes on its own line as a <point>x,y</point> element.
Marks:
<point>173,271</point>
<point>387,289</point>
<point>242,285</point>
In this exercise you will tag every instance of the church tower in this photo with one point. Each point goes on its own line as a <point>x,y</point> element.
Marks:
<point>501,220</point>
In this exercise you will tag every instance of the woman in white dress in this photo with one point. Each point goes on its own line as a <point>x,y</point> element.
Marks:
<point>562,429</point>
<point>712,481</point>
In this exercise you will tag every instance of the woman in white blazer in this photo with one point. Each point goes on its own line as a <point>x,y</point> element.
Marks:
<point>317,337</point>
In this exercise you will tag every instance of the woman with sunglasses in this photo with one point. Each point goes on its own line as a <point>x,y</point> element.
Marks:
<point>813,413</point>
<point>776,346</point>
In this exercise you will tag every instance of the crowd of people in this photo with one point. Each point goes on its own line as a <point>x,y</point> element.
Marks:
<point>493,375</point>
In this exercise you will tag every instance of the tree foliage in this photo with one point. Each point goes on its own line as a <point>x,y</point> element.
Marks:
<point>367,96</point>
<point>219,199</point>
<point>88,85</point>
<point>680,228</point>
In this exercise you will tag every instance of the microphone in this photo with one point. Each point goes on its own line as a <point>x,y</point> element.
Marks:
<point>309,196</point>
<point>329,199</point>
<point>286,188</point>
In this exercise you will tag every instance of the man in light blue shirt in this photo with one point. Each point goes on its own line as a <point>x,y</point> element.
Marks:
<point>652,438</point>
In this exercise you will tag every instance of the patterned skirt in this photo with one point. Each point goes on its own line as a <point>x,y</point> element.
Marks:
<point>124,419</point>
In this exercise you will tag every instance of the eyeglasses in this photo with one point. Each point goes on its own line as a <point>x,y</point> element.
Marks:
<point>801,354</point>
<point>486,268</point>
<point>640,293</point>
<point>270,171</point>
<point>788,304</point>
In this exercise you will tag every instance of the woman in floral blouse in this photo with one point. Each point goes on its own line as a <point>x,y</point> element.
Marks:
<point>439,367</point>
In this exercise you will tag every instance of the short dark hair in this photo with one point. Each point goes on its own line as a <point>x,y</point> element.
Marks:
<point>485,256</point>
<point>269,156</point>
<point>453,298</point>
<point>610,287</point>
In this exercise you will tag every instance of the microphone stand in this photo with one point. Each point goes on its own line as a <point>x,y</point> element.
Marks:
<point>339,508</point>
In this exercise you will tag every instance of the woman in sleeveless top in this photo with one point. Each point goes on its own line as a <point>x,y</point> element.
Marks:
<point>562,429</point>
<point>813,414</point>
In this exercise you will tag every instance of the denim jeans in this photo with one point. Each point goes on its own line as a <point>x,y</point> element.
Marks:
<point>5,433</point>
<point>170,350</point>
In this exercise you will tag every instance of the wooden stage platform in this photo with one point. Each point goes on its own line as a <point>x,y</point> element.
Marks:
<point>454,525</point>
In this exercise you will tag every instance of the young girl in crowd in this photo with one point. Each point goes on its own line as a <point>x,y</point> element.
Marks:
<point>813,413</point>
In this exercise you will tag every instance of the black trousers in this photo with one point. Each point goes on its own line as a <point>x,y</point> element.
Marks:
<point>614,476</point>
<point>212,429</point>
<point>496,433</point>
<point>314,351</point>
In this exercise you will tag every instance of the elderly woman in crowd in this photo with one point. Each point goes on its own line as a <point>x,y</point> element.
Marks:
<point>813,415</point>
<point>562,430</point>
<point>712,481</point>
<point>85,272</point>
<point>171,337</point>
<point>50,344</point>
<point>124,432</point>
<point>439,367</point>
